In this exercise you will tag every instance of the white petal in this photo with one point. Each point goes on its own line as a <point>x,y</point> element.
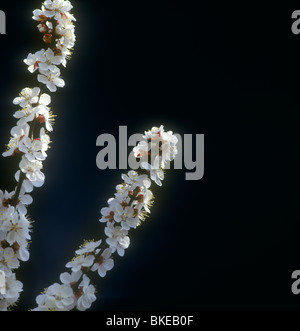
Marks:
<point>42,79</point>
<point>51,86</point>
<point>45,99</point>
<point>59,82</point>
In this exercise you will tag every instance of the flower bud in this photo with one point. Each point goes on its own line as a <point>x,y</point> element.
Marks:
<point>47,38</point>
<point>42,28</point>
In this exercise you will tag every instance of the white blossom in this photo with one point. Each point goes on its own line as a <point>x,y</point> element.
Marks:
<point>17,229</point>
<point>88,247</point>
<point>122,192</point>
<point>32,149</point>
<point>33,171</point>
<point>108,214</point>
<point>13,289</point>
<point>56,7</point>
<point>80,261</point>
<point>70,279</point>
<point>130,219</point>
<point>57,297</point>
<point>27,97</point>
<point>25,115</point>
<point>17,132</point>
<point>50,60</point>
<point>117,238</point>
<point>156,174</point>
<point>103,263</point>
<point>39,15</point>
<point>8,260</point>
<point>33,60</point>
<point>88,294</point>
<point>134,180</point>
<point>51,79</point>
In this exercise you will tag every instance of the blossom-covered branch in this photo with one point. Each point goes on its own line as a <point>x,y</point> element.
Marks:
<point>29,139</point>
<point>125,211</point>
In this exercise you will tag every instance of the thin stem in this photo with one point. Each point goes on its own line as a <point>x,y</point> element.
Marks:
<point>15,199</point>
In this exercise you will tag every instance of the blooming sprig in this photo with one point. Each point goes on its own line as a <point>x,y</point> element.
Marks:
<point>125,211</point>
<point>14,235</point>
<point>162,146</point>
<point>30,140</point>
<point>56,25</point>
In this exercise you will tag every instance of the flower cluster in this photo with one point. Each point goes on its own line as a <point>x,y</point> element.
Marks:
<point>14,236</point>
<point>14,223</point>
<point>125,211</point>
<point>30,141</point>
<point>155,151</point>
<point>56,25</point>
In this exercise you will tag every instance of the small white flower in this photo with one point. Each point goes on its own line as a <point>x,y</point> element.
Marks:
<point>122,192</point>
<point>17,229</point>
<point>70,279</point>
<point>43,116</point>
<point>88,247</point>
<point>130,219</point>
<point>154,132</point>
<point>146,201</point>
<point>125,216</point>
<point>108,214</point>
<point>33,60</point>
<point>13,289</point>
<point>51,79</point>
<point>135,180</point>
<point>8,260</point>
<point>142,150</point>
<point>156,174</point>
<point>17,132</point>
<point>33,171</point>
<point>103,263</point>
<point>27,97</point>
<point>32,149</point>
<point>118,210</point>
<point>45,303</point>
<point>57,297</point>
<point>57,6</point>
<point>80,261</point>
<point>39,15</point>
<point>88,294</point>
<point>158,143</point>
<point>25,115</point>
<point>50,60</point>
<point>117,238</point>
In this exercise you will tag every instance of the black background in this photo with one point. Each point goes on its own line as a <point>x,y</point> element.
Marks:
<point>227,242</point>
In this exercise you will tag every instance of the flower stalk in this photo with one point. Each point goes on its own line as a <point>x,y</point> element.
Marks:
<point>30,140</point>
<point>125,211</point>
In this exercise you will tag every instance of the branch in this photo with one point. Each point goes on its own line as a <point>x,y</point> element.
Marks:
<point>127,210</point>
<point>30,141</point>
